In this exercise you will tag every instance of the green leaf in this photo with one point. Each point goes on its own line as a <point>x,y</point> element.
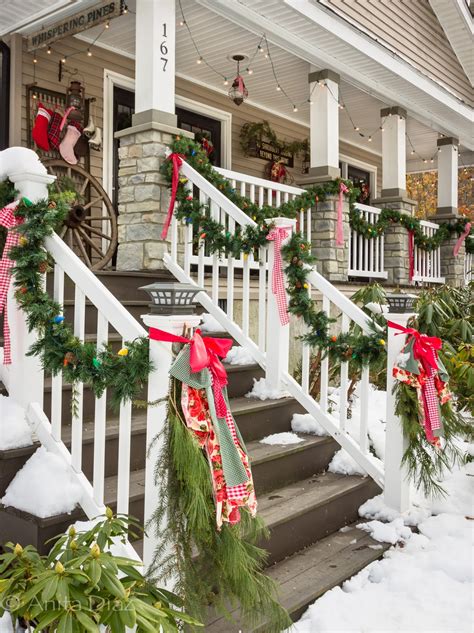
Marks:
<point>112,584</point>
<point>87,622</point>
<point>66,624</point>
<point>95,572</point>
<point>49,617</point>
<point>50,588</point>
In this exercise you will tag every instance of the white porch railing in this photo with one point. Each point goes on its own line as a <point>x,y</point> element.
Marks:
<point>427,264</point>
<point>270,193</point>
<point>258,330</point>
<point>366,256</point>
<point>468,266</point>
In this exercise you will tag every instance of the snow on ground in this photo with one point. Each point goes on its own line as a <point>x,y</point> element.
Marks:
<point>44,486</point>
<point>14,429</point>
<point>261,391</point>
<point>210,323</point>
<point>305,423</point>
<point>239,356</point>
<point>282,439</point>
<point>344,464</point>
<point>423,584</point>
<point>6,623</point>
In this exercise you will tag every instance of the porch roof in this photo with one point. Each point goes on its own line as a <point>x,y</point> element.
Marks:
<point>223,28</point>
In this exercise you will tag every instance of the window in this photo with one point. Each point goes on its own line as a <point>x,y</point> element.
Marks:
<point>363,176</point>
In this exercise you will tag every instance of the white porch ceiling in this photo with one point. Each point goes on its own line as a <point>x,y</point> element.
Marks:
<point>16,15</point>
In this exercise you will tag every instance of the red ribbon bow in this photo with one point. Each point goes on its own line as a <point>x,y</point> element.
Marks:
<point>9,220</point>
<point>343,189</point>
<point>424,347</point>
<point>277,235</point>
<point>204,352</point>
<point>177,160</point>
<point>462,237</point>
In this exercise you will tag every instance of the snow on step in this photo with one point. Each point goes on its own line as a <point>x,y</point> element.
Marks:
<point>44,486</point>
<point>14,429</point>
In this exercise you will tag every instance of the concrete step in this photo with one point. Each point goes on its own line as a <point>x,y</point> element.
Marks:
<point>308,574</point>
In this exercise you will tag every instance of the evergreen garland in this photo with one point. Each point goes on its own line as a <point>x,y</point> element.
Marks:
<point>425,463</point>
<point>360,349</point>
<point>124,372</point>
<point>214,569</point>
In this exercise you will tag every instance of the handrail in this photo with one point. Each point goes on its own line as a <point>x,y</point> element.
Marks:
<point>120,319</point>
<point>342,302</point>
<point>259,182</point>
<point>221,199</point>
<point>367,207</point>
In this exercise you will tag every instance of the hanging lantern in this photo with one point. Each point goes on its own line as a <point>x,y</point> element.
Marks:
<point>75,95</point>
<point>238,92</point>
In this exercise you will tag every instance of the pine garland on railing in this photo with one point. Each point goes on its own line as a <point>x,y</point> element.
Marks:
<point>353,346</point>
<point>125,372</point>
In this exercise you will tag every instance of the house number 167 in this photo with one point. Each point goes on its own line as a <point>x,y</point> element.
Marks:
<point>164,49</point>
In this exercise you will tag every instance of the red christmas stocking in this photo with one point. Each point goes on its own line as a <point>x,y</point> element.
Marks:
<point>40,128</point>
<point>66,149</point>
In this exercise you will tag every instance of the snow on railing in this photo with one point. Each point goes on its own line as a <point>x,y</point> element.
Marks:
<point>366,256</point>
<point>427,264</point>
<point>242,304</point>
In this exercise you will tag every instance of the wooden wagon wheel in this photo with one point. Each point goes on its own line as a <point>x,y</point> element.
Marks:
<point>90,229</point>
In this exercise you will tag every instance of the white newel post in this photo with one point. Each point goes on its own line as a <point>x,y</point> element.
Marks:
<point>397,485</point>
<point>158,384</point>
<point>278,335</point>
<point>25,375</point>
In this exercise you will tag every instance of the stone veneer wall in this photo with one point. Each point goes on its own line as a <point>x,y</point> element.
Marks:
<point>143,200</point>
<point>332,261</point>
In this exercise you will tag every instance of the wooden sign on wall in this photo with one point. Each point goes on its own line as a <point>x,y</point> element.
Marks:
<point>76,23</point>
<point>268,152</point>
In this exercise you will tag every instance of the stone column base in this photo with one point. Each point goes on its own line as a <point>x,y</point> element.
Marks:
<point>452,267</point>
<point>396,240</point>
<point>331,261</point>
<point>143,194</point>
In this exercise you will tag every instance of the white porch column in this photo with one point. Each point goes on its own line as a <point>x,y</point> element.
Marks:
<point>393,152</point>
<point>447,176</point>
<point>155,43</point>
<point>324,125</point>
<point>397,485</point>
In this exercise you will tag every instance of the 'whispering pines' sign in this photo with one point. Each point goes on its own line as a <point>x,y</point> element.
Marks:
<point>267,151</point>
<point>74,24</point>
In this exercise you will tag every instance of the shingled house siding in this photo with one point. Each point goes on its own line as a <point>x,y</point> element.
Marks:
<point>412,30</point>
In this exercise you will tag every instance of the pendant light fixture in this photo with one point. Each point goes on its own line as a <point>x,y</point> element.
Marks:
<point>238,92</point>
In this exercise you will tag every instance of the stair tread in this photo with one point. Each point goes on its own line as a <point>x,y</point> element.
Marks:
<point>309,573</point>
<point>282,503</point>
<point>260,453</point>
<point>242,405</point>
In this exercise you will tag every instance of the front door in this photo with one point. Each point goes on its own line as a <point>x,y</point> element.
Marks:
<point>202,126</point>
<point>124,107</point>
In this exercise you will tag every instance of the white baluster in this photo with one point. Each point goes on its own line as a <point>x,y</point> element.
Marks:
<point>252,193</point>
<point>174,238</point>
<point>364,408</point>
<point>230,275</point>
<point>78,388</point>
<point>188,235</point>
<point>262,294</point>
<point>125,436</point>
<point>100,416</point>
<point>57,380</point>
<point>305,360</point>
<point>344,382</point>
<point>215,213</point>
<point>323,399</point>
<point>245,294</point>
<point>261,196</point>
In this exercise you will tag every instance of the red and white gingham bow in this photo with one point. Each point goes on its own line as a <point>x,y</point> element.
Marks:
<point>277,235</point>
<point>9,220</point>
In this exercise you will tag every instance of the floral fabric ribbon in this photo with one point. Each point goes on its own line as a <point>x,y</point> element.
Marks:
<point>278,234</point>
<point>10,221</point>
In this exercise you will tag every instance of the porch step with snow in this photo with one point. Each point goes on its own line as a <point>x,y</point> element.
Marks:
<point>308,574</point>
